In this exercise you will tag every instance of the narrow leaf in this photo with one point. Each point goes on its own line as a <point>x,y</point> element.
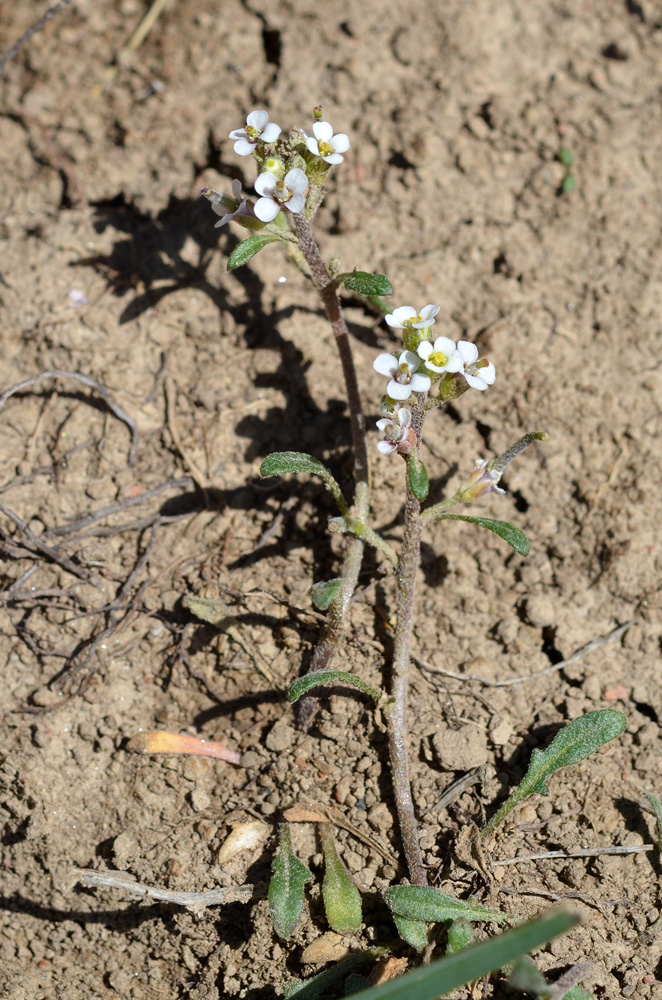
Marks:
<point>286,888</point>
<point>365,283</point>
<point>247,249</point>
<point>432,905</point>
<point>283,463</point>
<point>429,982</point>
<point>515,538</point>
<point>318,678</point>
<point>322,593</point>
<point>572,744</point>
<point>414,932</point>
<point>310,989</point>
<point>342,901</point>
<point>417,475</point>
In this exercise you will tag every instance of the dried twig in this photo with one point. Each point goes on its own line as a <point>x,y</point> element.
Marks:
<point>473,777</point>
<point>115,409</point>
<point>582,852</point>
<point>37,26</point>
<point>196,902</point>
<point>34,544</point>
<point>117,508</point>
<point>582,651</point>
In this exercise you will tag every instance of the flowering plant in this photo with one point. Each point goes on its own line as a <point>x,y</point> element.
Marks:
<point>423,371</point>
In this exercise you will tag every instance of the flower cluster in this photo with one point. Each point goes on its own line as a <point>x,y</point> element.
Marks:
<point>416,370</point>
<point>287,169</point>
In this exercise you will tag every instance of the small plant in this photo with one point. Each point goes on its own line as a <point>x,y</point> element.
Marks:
<point>423,372</point>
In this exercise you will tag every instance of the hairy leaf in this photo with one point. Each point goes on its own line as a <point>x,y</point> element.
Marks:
<point>417,475</point>
<point>365,283</point>
<point>515,538</point>
<point>286,888</point>
<point>414,932</point>
<point>342,900</point>
<point>248,248</point>
<point>318,678</point>
<point>460,935</point>
<point>418,902</point>
<point>572,744</point>
<point>283,463</point>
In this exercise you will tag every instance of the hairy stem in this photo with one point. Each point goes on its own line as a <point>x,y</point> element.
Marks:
<point>396,713</point>
<point>338,609</point>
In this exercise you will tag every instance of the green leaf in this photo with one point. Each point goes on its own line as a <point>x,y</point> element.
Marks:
<point>568,184</point>
<point>460,935</point>
<point>566,157</point>
<point>322,593</point>
<point>417,475</point>
<point>414,932</point>
<point>283,463</point>
<point>248,248</point>
<point>286,893</point>
<point>434,906</point>
<point>572,744</point>
<point>318,678</point>
<point>429,982</point>
<point>310,989</point>
<point>365,283</point>
<point>342,900</point>
<point>515,538</point>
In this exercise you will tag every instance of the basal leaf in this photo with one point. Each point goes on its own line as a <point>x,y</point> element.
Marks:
<point>515,538</point>
<point>283,463</point>
<point>460,935</point>
<point>342,900</point>
<point>414,932</point>
<point>417,902</point>
<point>286,888</point>
<point>248,248</point>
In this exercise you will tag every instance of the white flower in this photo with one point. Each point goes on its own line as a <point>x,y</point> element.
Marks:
<point>290,192</point>
<point>442,356</point>
<point>325,144</point>
<point>402,373</point>
<point>257,130</point>
<point>394,432</point>
<point>220,203</point>
<point>406,318</point>
<point>479,374</point>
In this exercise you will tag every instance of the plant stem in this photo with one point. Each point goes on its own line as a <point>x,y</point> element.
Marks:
<point>396,713</point>
<point>338,609</point>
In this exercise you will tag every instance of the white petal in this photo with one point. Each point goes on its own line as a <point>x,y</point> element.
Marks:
<point>313,148</point>
<point>445,345</point>
<point>386,447</point>
<point>393,321</point>
<point>270,133</point>
<point>397,391</point>
<point>429,312</point>
<point>386,364</point>
<point>383,423</point>
<point>296,203</point>
<point>340,142</point>
<point>266,209</point>
<point>257,119</point>
<point>468,352</point>
<point>420,383</point>
<point>475,381</point>
<point>296,181</point>
<point>425,349</point>
<point>323,131</point>
<point>265,184</point>
<point>238,133</point>
<point>454,363</point>
<point>404,417</point>
<point>404,312</point>
<point>236,189</point>
<point>243,147</point>
<point>410,359</point>
<point>488,374</point>
<point>333,158</point>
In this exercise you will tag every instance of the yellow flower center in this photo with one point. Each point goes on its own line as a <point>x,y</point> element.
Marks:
<point>325,148</point>
<point>282,193</point>
<point>438,358</point>
<point>403,376</point>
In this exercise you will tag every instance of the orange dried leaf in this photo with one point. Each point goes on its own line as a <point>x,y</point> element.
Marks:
<point>160,742</point>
